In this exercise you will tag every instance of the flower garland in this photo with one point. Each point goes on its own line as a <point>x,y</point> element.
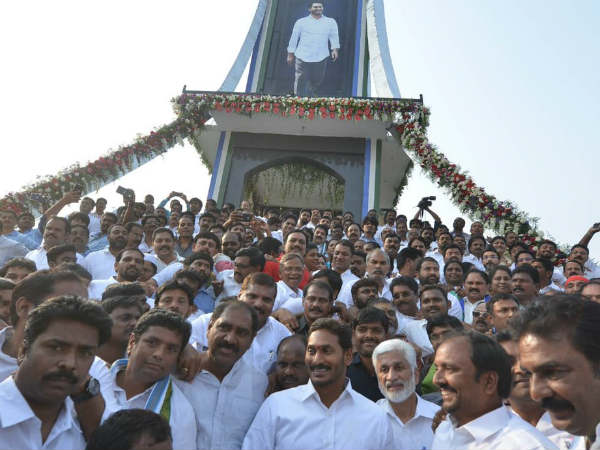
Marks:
<point>409,118</point>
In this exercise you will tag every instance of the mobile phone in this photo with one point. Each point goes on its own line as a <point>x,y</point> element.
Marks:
<point>246,217</point>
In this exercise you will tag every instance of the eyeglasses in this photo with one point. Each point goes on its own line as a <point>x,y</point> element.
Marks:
<point>477,314</point>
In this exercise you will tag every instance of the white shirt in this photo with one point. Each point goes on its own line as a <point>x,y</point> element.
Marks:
<point>297,419</point>
<point>160,264</point>
<point>497,429</point>
<point>20,428</point>
<point>8,364</point>
<point>477,262</point>
<point>289,299</point>
<point>551,287</point>
<point>231,288</point>
<point>469,308</point>
<point>455,308</point>
<point>558,277</point>
<point>416,332</point>
<point>94,225</point>
<point>182,419</point>
<point>38,256</point>
<point>224,410</point>
<point>310,37</point>
<point>345,295</point>
<point>417,432</point>
<point>167,273</point>
<point>100,264</point>
<point>97,287</point>
<point>562,439</point>
<point>263,350</point>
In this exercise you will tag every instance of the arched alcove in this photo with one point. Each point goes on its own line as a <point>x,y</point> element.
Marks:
<point>295,182</point>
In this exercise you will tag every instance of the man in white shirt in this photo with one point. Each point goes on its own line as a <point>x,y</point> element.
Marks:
<point>36,404</point>
<point>144,381</point>
<point>56,233</point>
<point>395,363</point>
<point>325,412</point>
<point>558,346</point>
<point>342,257</point>
<point>477,285</point>
<point>378,266</point>
<point>309,47</point>
<point>476,247</point>
<point>101,264</point>
<point>247,260</point>
<point>258,291</point>
<point>163,249</point>
<point>474,376</point>
<point>289,296</point>
<point>128,266</point>
<point>227,393</point>
<point>521,402</point>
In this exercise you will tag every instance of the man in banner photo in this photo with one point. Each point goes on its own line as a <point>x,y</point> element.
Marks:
<point>309,47</point>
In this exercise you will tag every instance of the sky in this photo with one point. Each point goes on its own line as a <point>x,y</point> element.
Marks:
<point>513,89</point>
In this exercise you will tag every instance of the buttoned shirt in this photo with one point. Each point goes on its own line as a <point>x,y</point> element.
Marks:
<point>97,287</point>
<point>100,264</point>
<point>288,298</point>
<point>297,419</point>
<point>497,429</point>
<point>224,410</point>
<point>417,432</point>
<point>159,263</point>
<point>20,428</point>
<point>263,350</point>
<point>477,262</point>
<point>310,37</point>
<point>362,381</point>
<point>562,439</point>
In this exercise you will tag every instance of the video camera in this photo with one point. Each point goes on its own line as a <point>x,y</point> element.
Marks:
<point>426,202</point>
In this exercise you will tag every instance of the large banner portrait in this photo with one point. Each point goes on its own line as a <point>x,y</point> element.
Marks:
<point>312,50</point>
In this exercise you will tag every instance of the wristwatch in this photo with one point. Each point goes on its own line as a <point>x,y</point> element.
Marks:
<point>90,390</point>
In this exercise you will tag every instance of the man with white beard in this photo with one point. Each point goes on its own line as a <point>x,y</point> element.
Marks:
<point>395,363</point>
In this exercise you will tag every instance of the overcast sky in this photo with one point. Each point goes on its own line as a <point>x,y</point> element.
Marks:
<point>513,88</point>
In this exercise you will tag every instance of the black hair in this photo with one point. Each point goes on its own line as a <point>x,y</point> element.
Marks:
<point>165,319</point>
<point>295,337</point>
<point>256,257</point>
<point>76,215</point>
<point>162,230</point>
<point>528,270</point>
<point>424,260</point>
<point>342,331</point>
<point>63,220</point>
<point>134,288</point>
<point>405,281</point>
<point>5,284</point>
<point>497,298</point>
<point>449,246</point>
<point>122,252</point>
<point>405,254</point>
<point>123,428</point>
<point>208,235</point>
<point>565,315</point>
<point>171,286</point>
<point>359,253</point>
<point>236,304</point>
<point>546,264</point>
<point>370,314</point>
<point>321,285</point>
<point>146,218</point>
<point>36,287</point>
<point>587,250</point>
<point>481,273</point>
<point>475,237</point>
<point>453,261</point>
<point>198,255</point>
<point>363,282</point>
<point>500,268</point>
<point>57,250</point>
<point>77,269</point>
<point>334,279</point>
<point>443,320</point>
<point>122,301</point>
<point>66,307</point>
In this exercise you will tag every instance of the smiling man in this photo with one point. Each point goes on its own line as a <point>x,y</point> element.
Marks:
<point>326,412</point>
<point>558,345</point>
<point>143,379</point>
<point>474,376</point>
<point>395,362</point>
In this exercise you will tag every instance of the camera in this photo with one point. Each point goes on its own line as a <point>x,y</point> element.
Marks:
<point>426,202</point>
<point>127,194</point>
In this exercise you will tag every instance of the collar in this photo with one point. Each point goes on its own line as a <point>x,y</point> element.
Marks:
<point>423,409</point>
<point>16,409</point>
<point>308,390</point>
<point>487,424</point>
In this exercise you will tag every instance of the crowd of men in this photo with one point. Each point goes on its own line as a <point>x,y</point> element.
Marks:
<point>188,326</point>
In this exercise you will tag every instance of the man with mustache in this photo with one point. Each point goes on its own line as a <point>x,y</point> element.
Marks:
<point>228,391</point>
<point>247,261</point>
<point>378,266</point>
<point>411,416</point>
<point>428,271</point>
<point>368,330</point>
<point>289,296</point>
<point>363,292</point>
<point>501,309</point>
<point>327,412</point>
<point>290,369</point>
<point>521,403</point>
<point>143,379</point>
<point>481,322</point>
<point>57,232</point>
<point>474,376</point>
<point>477,286</point>
<point>163,249</point>
<point>101,264</point>
<point>258,291</point>
<point>525,284</point>
<point>124,311</point>
<point>433,302</point>
<point>80,236</point>
<point>128,266</point>
<point>317,301</point>
<point>60,339</point>
<point>558,346</point>
<point>175,296</point>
